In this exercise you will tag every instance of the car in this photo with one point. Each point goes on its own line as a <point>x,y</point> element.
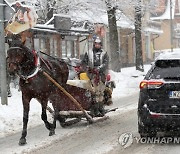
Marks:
<point>159,97</point>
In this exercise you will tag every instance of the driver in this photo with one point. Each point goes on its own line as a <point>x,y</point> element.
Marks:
<point>98,60</point>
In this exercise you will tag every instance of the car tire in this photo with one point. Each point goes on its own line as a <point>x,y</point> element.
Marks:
<point>146,131</point>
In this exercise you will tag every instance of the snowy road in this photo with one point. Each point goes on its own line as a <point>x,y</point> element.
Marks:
<point>100,137</point>
<point>81,138</point>
<point>86,135</point>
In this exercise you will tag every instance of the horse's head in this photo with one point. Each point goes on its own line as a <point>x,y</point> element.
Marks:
<point>18,58</point>
<point>15,57</point>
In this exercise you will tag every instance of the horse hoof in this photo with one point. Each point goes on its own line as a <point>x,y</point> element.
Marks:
<point>52,132</point>
<point>22,141</point>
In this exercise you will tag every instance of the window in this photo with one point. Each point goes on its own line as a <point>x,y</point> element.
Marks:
<point>166,69</point>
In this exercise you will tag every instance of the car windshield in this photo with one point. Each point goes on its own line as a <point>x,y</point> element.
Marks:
<point>166,69</point>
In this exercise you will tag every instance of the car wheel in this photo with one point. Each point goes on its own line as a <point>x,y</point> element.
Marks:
<point>146,131</point>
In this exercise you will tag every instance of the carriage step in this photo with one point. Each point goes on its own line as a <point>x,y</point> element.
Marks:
<point>72,113</point>
<point>80,113</point>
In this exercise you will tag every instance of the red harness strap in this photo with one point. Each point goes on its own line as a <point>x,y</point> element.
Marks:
<point>35,57</point>
<point>35,63</point>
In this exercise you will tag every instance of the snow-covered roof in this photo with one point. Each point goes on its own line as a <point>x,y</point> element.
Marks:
<point>51,26</point>
<point>51,29</point>
<point>123,21</point>
<point>62,15</point>
<point>168,54</point>
<point>152,30</point>
<point>88,15</point>
<point>166,14</point>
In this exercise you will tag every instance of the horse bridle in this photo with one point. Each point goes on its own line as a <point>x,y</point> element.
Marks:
<point>12,49</point>
<point>36,70</point>
<point>37,64</point>
<point>14,62</point>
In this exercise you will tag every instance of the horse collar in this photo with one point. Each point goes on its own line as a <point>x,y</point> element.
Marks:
<point>37,64</point>
<point>36,70</point>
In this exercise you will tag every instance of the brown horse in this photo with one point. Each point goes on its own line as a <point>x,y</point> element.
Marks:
<point>33,84</point>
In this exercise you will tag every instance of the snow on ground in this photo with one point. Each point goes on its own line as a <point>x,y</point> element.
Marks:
<point>127,82</point>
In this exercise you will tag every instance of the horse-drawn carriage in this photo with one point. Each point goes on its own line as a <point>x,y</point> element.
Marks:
<point>46,78</point>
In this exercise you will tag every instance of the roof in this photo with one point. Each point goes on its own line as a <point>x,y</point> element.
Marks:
<point>88,15</point>
<point>153,30</point>
<point>51,29</point>
<point>168,54</point>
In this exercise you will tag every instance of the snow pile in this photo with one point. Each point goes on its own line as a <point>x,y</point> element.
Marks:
<point>127,81</point>
<point>11,115</point>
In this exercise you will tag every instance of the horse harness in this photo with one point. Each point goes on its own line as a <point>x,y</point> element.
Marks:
<point>37,63</point>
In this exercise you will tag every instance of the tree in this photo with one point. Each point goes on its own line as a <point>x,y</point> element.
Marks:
<point>45,9</point>
<point>50,9</point>
<point>113,37</point>
<point>138,39</point>
<point>98,7</point>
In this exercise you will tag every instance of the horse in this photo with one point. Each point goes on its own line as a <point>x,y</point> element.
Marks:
<point>33,84</point>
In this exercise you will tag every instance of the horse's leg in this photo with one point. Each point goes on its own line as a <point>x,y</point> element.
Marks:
<point>48,125</point>
<point>56,115</point>
<point>26,101</point>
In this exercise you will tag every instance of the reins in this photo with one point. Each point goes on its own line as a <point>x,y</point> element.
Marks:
<point>36,63</point>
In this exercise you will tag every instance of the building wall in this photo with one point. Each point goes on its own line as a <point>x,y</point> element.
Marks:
<point>127,47</point>
<point>84,46</point>
<point>131,49</point>
<point>163,41</point>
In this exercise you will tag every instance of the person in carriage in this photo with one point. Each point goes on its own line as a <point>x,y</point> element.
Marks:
<point>96,61</point>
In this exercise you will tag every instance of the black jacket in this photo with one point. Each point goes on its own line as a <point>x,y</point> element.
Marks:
<point>100,60</point>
